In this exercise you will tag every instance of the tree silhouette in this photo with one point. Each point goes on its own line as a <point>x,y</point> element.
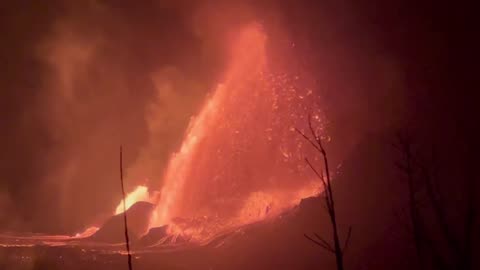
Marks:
<point>337,248</point>
<point>440,247</point>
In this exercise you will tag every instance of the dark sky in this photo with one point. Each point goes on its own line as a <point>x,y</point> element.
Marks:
<point>78,80</point>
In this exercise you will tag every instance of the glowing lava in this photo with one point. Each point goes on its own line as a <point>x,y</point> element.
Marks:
<point>140,193</point>
<point>240,160</point>
<point>249,60</point>
<point>88,232</point>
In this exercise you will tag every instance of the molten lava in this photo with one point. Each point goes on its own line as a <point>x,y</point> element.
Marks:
<point>139,194</point>
<point>240,160</point>
<point>248,60</point>
<point>87,233</point>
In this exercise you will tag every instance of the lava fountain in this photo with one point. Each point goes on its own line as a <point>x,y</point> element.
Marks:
<point>240,159</point>
<point>139,194</point>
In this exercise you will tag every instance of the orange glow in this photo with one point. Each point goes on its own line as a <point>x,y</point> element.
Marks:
<point>140,193</point>
<point>240,160</point>
<point>88,232</point>
<point>178,166</point>
<point>248,58</point>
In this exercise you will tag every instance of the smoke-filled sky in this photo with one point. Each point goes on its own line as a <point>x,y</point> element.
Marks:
<point>81,78</point>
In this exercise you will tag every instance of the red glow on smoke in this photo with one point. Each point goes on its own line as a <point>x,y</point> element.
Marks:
<point>240,160</point>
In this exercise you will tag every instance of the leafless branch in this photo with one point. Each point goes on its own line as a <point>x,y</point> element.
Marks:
<point>127,240</point>
<point>315,135</point>
<point>415,174</point>
<point>347,240</point>
<point>308,139</point>
<point>319,175</point>
<point>322,244</point>
<point>323,240</point>
<point>337,249</point>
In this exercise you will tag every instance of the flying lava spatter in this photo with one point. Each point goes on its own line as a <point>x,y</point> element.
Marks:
<point>240,160</point>
<point>249,59</point>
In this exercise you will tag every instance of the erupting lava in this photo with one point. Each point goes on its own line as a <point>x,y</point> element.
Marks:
<point>248,61</point>
<point>139,194</point>
<point>240,160</point>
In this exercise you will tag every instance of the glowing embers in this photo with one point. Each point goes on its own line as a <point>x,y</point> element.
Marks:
<point>246,66</point>
<point>241,160</point>
<point>139,194</point>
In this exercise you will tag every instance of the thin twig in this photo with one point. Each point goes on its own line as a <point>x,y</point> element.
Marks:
<point>330,205</point>
<point>319,175</point>
<point>315,136</point>
<point>347,240</point>
<point>127,240</point>
<point>328,248</point>
<point>308,139</point>
<point>323,241</point>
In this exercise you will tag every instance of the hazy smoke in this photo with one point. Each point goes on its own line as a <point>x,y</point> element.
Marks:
<point>82,79</point>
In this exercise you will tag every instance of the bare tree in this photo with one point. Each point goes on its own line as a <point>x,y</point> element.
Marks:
<point>337,248</point>
<point>404,145</point>
<point>423,196</point>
